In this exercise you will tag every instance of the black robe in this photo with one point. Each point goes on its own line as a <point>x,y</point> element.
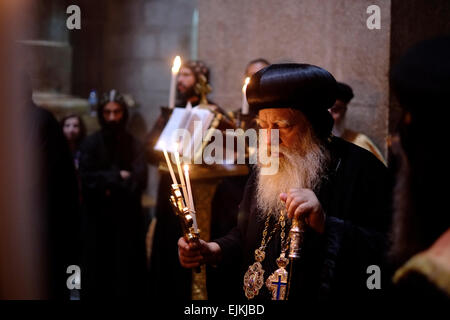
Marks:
<point>55,195</point>
<point>167,277</point>
<point>356,199</point>
<point>222,282</point>
<point>115,263</point>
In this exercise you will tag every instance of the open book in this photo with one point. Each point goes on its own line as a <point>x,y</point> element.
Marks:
<point>193,122</point>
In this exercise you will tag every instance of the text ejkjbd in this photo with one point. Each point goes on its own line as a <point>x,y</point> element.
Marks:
<point>234,310</point>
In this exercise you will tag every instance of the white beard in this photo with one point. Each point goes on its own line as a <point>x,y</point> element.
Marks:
<point>295,171</point>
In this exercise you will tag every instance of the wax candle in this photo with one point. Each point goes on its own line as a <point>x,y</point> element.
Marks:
<point>169,165</point>
<point>191,197</point>
<point>180,173</point>
<point>173,81</point>
<point>244,109</point>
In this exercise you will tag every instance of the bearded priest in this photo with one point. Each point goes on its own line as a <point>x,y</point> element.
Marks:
<point>339,192</point>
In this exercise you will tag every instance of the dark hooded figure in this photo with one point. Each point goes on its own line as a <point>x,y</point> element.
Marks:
<point>339,192</point>
<point>114,174</point>
<point>421,229</point>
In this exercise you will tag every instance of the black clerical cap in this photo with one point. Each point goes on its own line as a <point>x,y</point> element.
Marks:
<point>344,92</point>
<point>307,88</point>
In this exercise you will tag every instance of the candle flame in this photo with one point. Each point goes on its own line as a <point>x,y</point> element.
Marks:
<point>186,167</point>
<point>176,64</point>
<point>246,82</point>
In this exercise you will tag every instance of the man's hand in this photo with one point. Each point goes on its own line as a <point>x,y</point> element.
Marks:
<point>192,255</point>
<point>303,202</point>
<point>125,174</point>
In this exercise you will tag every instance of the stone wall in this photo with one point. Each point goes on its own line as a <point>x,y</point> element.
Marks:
<point>131,45</point>
<point>48,54</point>
<point>332,35</point>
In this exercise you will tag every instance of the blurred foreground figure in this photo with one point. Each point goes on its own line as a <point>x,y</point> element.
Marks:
<point>421,234</point>
<point>114,175</point>
<point>56,193</point>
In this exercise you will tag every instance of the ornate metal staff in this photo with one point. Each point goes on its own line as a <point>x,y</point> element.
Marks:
<point>296,237</point>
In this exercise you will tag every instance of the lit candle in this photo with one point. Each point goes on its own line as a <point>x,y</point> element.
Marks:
<point>180,173</point>
<point>244,109</point>
<point>169,164</point>
<point>191,198</point>
<point>173,81</point>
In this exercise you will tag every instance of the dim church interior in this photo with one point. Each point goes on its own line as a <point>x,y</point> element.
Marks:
<point>129,46</point>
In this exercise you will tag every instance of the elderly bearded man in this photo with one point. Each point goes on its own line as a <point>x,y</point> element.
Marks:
<point>339,190</point>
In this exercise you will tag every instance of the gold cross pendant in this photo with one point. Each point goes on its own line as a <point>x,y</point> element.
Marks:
<point>277,282</point>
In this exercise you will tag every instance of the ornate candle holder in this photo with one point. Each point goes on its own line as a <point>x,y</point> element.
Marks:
<point>186,219</point>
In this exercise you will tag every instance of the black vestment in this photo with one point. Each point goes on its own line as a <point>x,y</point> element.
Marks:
<point>356,199</point>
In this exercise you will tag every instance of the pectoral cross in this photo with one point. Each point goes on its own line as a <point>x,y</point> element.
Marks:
<point>277,284</point>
